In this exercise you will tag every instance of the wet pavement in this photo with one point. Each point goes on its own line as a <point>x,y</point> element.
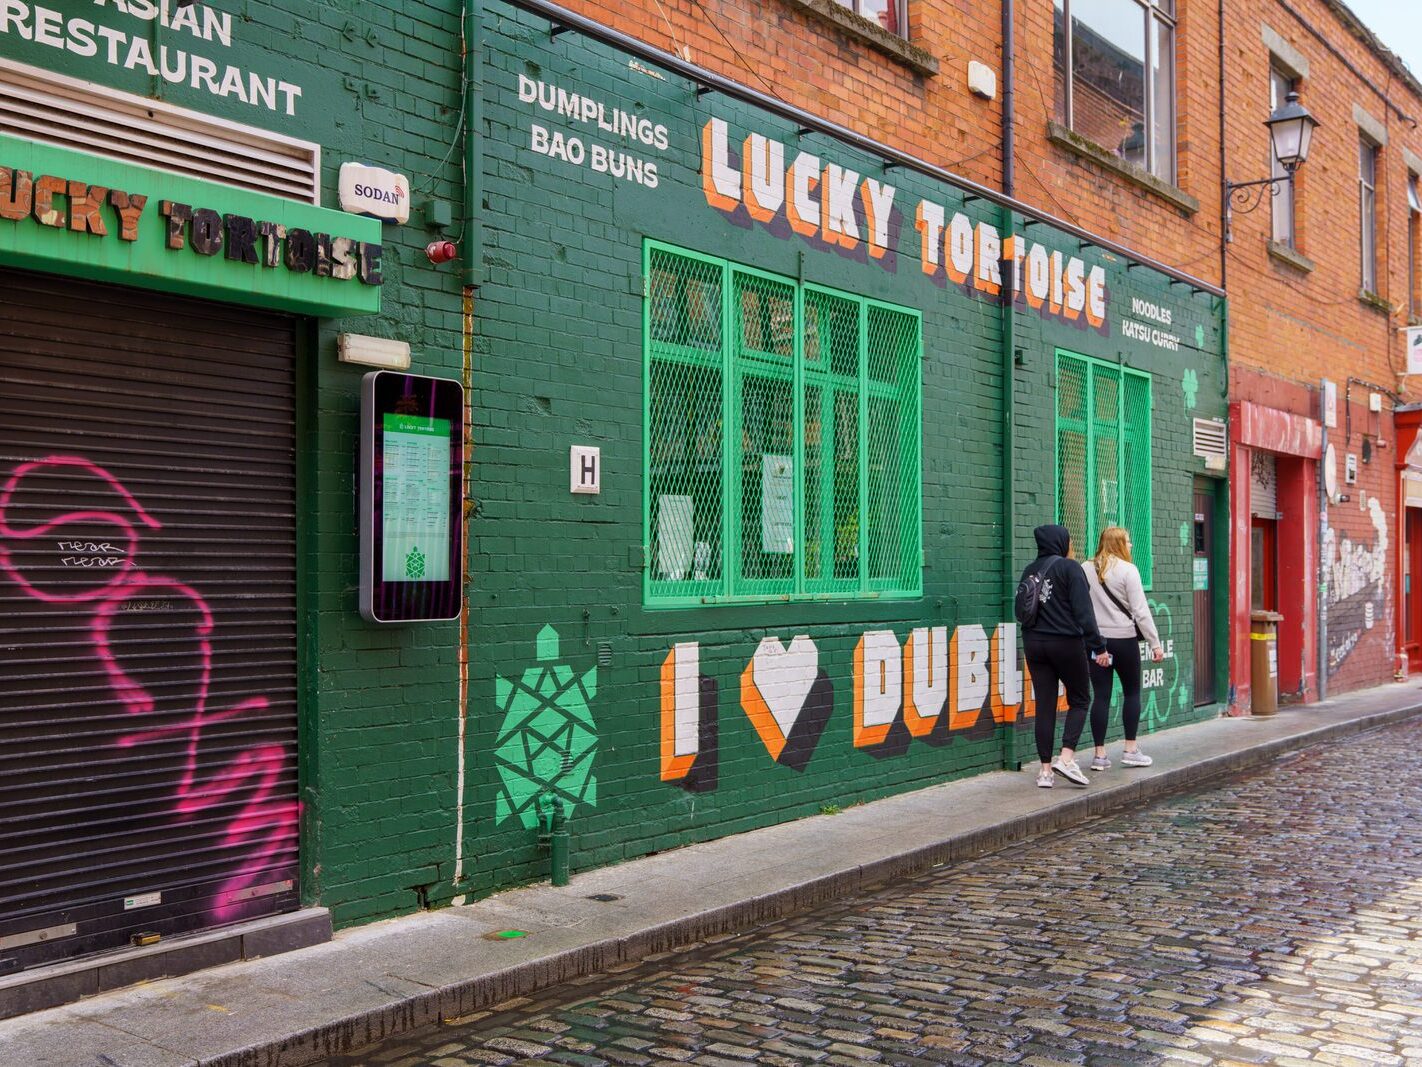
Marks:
<point>1272,919</point>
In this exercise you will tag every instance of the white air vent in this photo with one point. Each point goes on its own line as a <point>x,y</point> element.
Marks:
<point>1209,438</point>
<point>39,106</point>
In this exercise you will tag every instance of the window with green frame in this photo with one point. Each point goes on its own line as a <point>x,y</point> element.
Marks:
<point>1103,454</point>
<point>782,437</point>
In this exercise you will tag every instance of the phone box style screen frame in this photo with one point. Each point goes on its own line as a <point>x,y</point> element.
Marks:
<point>411,497</point>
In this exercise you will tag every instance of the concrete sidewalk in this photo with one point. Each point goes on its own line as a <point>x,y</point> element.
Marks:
<point>378,980</point>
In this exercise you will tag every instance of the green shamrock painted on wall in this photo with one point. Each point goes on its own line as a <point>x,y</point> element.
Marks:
<point>1190,383</point>
<point>548,739</point>
<point>1199,336</point>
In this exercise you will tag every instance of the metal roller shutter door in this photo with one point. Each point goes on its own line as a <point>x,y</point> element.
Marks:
<point>148,778</point>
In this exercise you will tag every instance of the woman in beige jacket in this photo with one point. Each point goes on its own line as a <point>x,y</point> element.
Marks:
<point>1125,620</point>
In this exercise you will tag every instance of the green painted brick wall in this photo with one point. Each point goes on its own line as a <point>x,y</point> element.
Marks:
<point>559,362</point>
<point>379,83</point>
<point>381,706</point>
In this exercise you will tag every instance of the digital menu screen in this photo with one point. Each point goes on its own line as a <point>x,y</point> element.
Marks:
<point>411,497</point>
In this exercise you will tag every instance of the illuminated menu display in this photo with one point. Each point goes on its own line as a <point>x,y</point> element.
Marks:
<point>415,524</point>
<point>411,497</point>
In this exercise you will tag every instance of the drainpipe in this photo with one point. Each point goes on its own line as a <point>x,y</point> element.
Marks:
<point>473,228</point>
<point>1224,155</point>
<point>1007,227</point>
<point>472,241</point>
<point>1009,141</point>
<point>1008,223</point>
<point>1322,608</point>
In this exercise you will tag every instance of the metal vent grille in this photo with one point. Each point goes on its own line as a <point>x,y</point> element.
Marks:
<point>1209,438</point>
<point>40,106</point>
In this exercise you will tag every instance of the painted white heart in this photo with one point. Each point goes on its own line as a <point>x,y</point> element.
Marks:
<point>784,676</point>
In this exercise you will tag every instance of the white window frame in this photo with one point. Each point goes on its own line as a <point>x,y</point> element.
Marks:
<point>1155,13</point>
<point>900,8</point>
<point>1414,247</point>
<point>1368,153</point>
<point>1283,210</point>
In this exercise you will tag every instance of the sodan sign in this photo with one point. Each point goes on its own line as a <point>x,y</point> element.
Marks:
<point>382,194</point>
<point>70,213</point>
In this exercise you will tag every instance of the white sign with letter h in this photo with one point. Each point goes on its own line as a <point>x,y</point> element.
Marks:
<point>585,470</point>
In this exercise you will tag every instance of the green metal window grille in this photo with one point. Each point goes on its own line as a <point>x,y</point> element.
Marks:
<point>782,436</point>
<point>1104,454</point>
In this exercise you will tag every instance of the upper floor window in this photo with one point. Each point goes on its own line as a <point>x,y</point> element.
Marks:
<point>1114,64</point>
<point>1414,249</point>
<point>1368,212</point>
<point>1280,85</point>
<point>889,14</point>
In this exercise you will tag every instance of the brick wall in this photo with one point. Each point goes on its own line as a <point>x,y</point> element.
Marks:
<point>1295,321</point>
<point>381,715</point>
<point>559,363</point>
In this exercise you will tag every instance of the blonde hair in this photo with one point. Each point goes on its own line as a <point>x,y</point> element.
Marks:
<point>1114,544</point>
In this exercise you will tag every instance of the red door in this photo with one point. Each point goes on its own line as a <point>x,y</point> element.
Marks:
<point>1264,564</point>
<point>1411,600</point>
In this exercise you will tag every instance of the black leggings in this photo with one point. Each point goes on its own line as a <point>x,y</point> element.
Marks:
<point>1052,660</point>
<point>1126,661</point>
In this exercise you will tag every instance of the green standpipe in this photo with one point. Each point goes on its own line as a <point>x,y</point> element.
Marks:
<point>558,844</point>
<point>553,822</point>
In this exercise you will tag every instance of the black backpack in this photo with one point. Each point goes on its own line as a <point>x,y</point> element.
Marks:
<point>1029,594</point>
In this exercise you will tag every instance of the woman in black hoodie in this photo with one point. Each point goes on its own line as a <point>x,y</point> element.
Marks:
<point>1056,645</point>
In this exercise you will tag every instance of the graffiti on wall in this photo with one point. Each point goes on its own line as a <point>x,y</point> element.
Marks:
<point>262,821</point>
<point>1356,573</point>
<point>1163,690</point>
<point>547,742</point>
<point>926,687</point>
<point>934,685</point>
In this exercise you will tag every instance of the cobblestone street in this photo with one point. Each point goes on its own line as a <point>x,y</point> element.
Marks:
<point>1276,919</point>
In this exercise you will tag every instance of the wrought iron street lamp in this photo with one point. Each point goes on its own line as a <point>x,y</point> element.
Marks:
<point>1290,135</point>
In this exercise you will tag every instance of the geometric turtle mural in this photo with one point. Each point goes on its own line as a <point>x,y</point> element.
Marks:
<point>548,739</point>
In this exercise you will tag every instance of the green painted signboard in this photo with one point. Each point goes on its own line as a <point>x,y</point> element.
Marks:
<point>71,213</point>
<point>200,56</point>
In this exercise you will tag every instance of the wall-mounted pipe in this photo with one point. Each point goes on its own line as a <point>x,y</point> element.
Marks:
<point>472,235</point>
<point>1008,227</point>
<point>1009,102</point>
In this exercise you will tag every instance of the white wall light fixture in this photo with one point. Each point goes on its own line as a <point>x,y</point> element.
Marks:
<point>373,351</point>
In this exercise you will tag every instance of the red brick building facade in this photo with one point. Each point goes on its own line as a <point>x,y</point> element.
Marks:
<point>1132,136</point>
<point>1320,295</point>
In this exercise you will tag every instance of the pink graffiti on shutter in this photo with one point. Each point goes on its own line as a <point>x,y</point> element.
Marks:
<point>265,821</point>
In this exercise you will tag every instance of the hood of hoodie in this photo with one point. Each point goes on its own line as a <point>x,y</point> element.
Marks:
<point>1052,540</point>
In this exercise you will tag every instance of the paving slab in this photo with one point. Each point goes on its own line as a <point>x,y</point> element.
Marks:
<point>373,982</point>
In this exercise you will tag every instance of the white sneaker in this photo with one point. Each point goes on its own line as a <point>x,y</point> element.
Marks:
<point>1070,771</point>
<point>1135,759</point>
<point>1044,780</point>
<point>1101,763</point>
